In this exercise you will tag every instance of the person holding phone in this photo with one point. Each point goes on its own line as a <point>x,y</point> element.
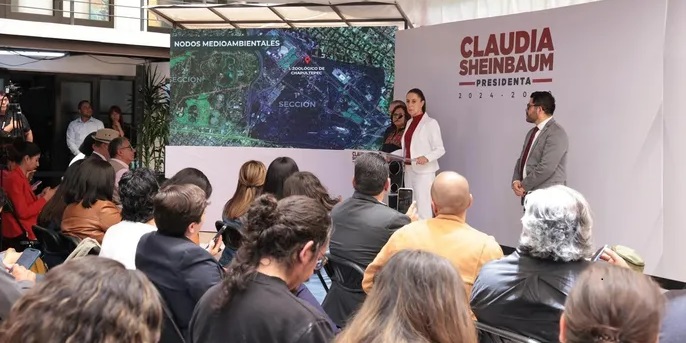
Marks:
<point>422,146</point>
<point>17,225</point>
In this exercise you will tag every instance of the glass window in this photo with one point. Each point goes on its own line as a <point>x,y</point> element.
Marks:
<point>43,7</point>
<point>87,9</point>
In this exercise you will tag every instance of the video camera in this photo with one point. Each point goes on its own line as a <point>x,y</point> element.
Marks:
<point>12,91</point>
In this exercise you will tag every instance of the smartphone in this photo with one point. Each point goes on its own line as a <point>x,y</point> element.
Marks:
<point>218,236</point>
<point>404,199</point>
<point>597,254</point>
<point>35,185</point>
<point>28,257</point>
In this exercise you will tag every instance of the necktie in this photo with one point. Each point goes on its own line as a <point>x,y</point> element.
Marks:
<point>525,156</point>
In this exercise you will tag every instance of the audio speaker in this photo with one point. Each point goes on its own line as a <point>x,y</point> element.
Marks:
<point>396,173</point>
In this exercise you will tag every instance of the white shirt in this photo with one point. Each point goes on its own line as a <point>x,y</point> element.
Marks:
<point>540,127</point>
<point>78,130</point>
<point>78,157</point>
<point>121,240</point>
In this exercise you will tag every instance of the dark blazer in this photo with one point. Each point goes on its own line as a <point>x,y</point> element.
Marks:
<point>547,162</point>
<point>181,270</point>
<point>673,330</point>
<point>361,227</point>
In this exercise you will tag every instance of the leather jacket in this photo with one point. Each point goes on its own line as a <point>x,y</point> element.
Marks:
<point>524,294</point>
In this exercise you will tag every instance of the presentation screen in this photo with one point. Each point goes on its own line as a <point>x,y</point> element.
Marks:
<point>312,88</point>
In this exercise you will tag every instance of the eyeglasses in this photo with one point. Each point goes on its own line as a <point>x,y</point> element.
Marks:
<point>528,106</point>
<point>127,147</point>
<point>321,262</point>
<point>397,115</point>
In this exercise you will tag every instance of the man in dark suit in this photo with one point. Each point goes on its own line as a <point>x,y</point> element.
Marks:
<point>181,270</point>
<point>543,161</point>
<point>362,225</point>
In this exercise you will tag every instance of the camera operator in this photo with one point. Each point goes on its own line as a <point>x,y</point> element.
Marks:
<point>12,121</point>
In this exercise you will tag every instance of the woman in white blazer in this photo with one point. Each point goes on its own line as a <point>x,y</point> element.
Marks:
<point>423,145</point>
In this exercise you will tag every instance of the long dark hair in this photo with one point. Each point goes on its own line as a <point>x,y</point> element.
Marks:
<point>54,208</point>
<point>307,184</point>
<point>420,94</point>
<point>94,181</point>
<point>277,230</point>
<point>277,173</point>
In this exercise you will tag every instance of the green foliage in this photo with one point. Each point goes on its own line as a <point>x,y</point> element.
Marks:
<point>153,128</point>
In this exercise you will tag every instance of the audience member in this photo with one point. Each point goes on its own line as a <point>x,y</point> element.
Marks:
<point>90,210</point>
<point>417,297</point>
<point>101,143</point>
<point>14,281</point>
<point>673,330</point>
<point>136,189</point>
<point>284,242</point>
<point>307,184</point>
<point>250,182</point>
<point>277,173</point>
<point>87,300</point>
<point>447,235</point>
<point>191,176</point>
<point>18,222</point>
<point>50,216</point>
<point>180,269</point>
<point>552,252</point>
<point>85,149</point>
<point>121,155</point>
<point>612,304</point>
<point>362,226</point>
<point>80,127</point>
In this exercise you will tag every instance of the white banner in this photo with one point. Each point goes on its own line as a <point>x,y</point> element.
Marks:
<point>603,62</point>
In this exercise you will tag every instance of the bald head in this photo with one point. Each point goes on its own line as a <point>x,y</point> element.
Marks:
<point>450,194</point>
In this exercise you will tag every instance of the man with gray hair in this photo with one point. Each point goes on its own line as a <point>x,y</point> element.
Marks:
<point>525,292</point>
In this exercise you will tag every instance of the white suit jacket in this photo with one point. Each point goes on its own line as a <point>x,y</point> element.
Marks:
<point>427,142</point>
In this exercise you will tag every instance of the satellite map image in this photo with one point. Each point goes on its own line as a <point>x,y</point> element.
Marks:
<point>318,88</point>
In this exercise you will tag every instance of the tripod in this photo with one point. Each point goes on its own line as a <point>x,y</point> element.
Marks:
<point>13,112</point>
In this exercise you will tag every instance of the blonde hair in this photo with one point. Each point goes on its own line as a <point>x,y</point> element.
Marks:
<point>250,182</point>
<point>417,297</point>
<point>87,300</point>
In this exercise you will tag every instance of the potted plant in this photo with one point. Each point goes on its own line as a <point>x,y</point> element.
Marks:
<point>152,126</point>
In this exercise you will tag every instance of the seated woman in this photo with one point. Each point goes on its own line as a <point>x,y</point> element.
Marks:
<point>51,215</point>
<point>250,181</point>
<point>90,210</point>
<point>89,300</point>
<point>17,225</point>
<point>609,303</point>
<point>277,173</point>
<point>417,297</point>
<point>283,243</point>
<point>307,184</point>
